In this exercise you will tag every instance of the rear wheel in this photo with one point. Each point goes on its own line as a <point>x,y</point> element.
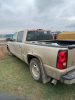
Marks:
<point>35,70</point>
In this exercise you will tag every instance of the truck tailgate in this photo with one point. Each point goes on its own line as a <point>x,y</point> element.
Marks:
<point>71,56</point>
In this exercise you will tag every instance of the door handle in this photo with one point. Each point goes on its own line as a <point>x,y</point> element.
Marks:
<point>14,44</point>
<point>19,46</point>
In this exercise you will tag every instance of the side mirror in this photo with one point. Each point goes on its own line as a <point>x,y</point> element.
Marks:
<point>13,39</point>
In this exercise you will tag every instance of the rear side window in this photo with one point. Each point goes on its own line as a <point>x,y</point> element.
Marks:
<point>30,36</point>
<point>20,36</point>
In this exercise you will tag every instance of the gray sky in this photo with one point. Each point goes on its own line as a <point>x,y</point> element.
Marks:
<point>30,14</point>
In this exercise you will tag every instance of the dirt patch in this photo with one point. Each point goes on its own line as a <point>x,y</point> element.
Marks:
<point>3,52</point>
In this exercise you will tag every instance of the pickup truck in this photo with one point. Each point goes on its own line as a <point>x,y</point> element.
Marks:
<point>46,57</point>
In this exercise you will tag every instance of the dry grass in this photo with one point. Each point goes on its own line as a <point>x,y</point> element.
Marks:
<point>3,52</point>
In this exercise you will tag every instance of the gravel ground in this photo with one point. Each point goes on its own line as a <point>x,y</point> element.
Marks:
<point>3,41</point>
<point>3,38</point>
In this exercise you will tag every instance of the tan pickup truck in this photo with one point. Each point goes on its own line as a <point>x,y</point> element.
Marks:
<point>47,58</point>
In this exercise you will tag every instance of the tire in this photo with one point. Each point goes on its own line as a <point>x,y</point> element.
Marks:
<point>35,70</point>
<point>9,52</point>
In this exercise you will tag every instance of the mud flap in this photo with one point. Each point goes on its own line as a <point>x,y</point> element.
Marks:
<point>45,78</point>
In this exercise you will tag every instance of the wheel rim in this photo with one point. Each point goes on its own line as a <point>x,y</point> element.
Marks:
<point>35,70</point>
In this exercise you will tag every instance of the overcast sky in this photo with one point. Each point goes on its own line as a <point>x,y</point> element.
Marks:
<point>30,14</point>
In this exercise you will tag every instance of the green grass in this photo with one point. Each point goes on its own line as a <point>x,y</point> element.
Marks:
<point>15,79</point>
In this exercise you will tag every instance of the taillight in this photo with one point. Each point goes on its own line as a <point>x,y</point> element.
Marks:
<point>62,60</point>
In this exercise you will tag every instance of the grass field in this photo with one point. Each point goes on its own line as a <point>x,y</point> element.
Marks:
<point>15,79</point>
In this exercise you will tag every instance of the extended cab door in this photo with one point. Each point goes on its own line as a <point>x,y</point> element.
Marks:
<point>12,44</point>
<point>18,45</point>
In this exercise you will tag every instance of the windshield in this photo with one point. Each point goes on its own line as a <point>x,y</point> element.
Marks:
<point>38,35</point>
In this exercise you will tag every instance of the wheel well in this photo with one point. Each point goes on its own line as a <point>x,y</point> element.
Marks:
<point>8,48</point>
<point>31,57</point>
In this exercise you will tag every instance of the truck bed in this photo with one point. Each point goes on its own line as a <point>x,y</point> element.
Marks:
<point>70,44</point>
